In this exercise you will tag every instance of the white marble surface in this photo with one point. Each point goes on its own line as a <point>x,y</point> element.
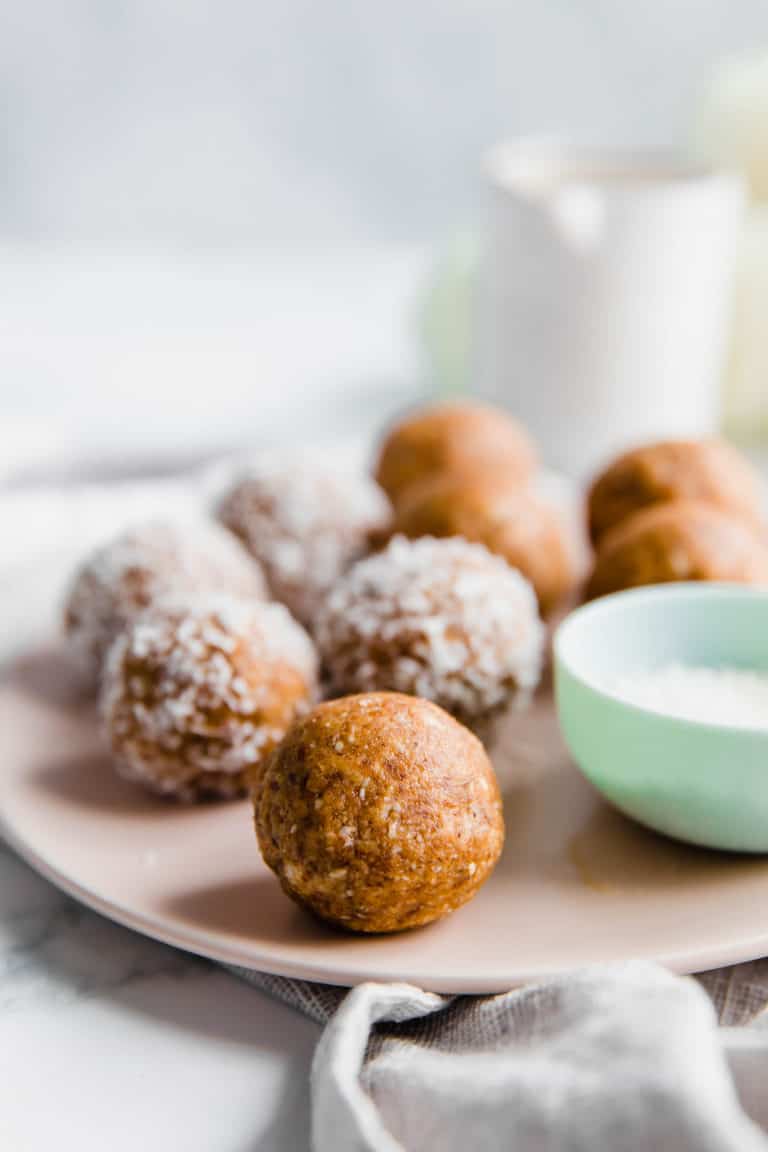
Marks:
<point>108,1040</point>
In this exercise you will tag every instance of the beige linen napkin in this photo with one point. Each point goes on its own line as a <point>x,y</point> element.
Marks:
<point>623,1058</point>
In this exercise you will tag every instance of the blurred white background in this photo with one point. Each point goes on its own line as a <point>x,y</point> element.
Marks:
<point>210,211</point>
<point>249,122</point>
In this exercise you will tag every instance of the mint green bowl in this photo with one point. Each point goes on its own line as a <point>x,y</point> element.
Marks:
<point>706,783</point>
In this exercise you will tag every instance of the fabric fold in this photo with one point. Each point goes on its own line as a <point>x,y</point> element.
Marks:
<point>623,1058</point>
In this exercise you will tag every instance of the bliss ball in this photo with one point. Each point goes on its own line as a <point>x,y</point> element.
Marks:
<point>512,521</point>
<point>682,540</point>
<point>306,521</point>
<point>142,566</point>
<point>195,696</point>
<point>453,438</point>
<point>704,470</point>
<point>380,812</point>
<point>442,619</point>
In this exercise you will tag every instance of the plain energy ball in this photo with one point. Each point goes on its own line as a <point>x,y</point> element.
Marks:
<point>682,540</point>
<point>380,812</point>
<point>196,696</point>
<point>707,470</point>
<point>512,521</point>
<point>306,521</point>
<point>144,565</point>
<point>453,438</point>
<point>442,619</point>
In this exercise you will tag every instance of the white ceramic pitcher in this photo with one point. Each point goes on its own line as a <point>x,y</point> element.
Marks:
<point>604,294</point>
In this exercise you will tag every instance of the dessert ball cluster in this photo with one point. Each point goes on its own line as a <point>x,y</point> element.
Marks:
<point>305,521</point>
<point>195,696</point>
<point>442,619</point>
<point>140,568</point>
<point>380,812</point>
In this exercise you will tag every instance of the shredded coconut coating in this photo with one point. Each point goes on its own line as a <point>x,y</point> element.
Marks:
<point>442,619</point>
<point>195,696</point>
<point>145,564</point>
<point>380,812</point>
<point>306,521</point>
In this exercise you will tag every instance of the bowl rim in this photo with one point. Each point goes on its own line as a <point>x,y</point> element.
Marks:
<point>678,590</point>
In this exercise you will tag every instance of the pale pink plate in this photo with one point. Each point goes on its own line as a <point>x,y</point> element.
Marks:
<point>577,883</point>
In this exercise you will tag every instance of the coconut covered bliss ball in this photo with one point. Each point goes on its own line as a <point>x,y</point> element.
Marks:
<point>143,565</point>
<point>195,696</point>
<point>442,619</point>
<point>380,812</point>
<point>305,520</point>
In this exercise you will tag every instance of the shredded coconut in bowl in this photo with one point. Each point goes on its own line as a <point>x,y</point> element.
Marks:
<point>736,697</point>
<point>306,520</point>
<point>143,565</point>
<point>443,619</point>
<point>196,695</point>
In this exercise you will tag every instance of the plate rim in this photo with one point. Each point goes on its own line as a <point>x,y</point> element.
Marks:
<point>198,943</point>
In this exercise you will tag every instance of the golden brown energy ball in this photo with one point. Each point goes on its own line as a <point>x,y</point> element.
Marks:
<point>511,521</point>
<point>682,540</point>
<point>443,619</point>
<point>306,520</point>
<point>196,695</point>
<point>380,812</point>
<point>142,566</point>
<point>453,438</point>
<point>707,470</point>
